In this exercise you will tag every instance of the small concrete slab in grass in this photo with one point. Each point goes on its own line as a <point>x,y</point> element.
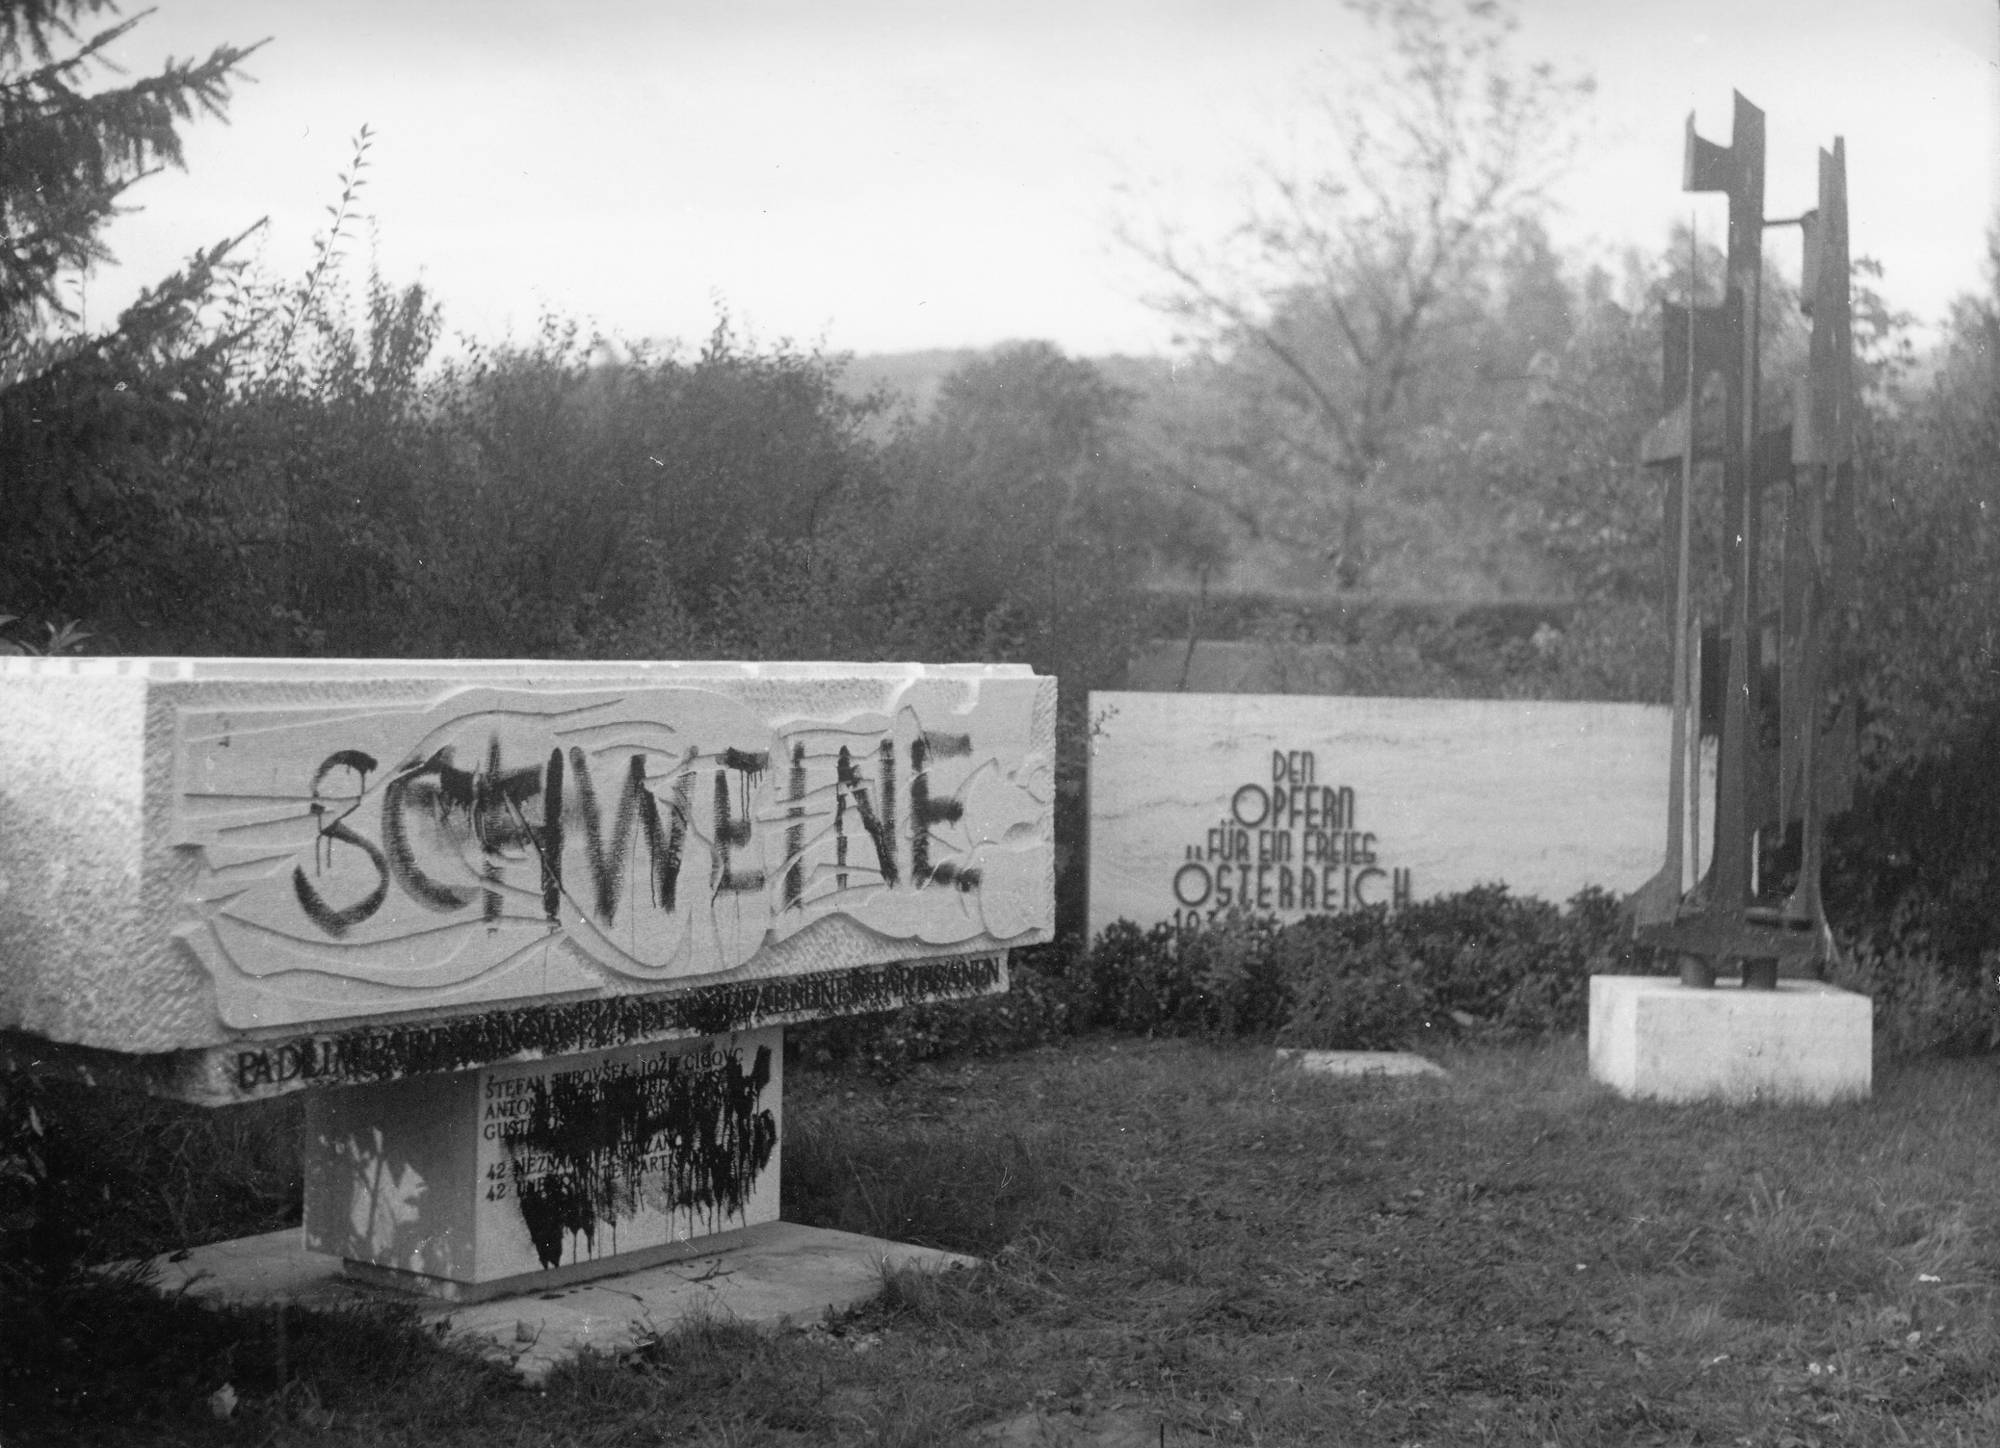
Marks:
<point>778,1274</point>
<point>1361,1063</point>
<point>1104,1428</point>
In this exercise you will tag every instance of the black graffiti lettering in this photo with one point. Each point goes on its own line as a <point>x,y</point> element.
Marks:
<point>795,833</point>
<point>732,834</point>
<point>361,764</point>
<point>337,922</point>
<point>635,802</point>
<point>881,827</point>
<point>839,841</point>
<point>964,879</point>
<point>500,821</point>
<point>449,836</point>
<point>666,843</point>
<point>440,789</point>
<point>549,843</point>
<point>498,795</point>
<point>482,807</point>
<point>924,811</point>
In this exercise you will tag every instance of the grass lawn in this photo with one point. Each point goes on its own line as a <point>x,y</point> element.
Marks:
<point>1189,1244</point>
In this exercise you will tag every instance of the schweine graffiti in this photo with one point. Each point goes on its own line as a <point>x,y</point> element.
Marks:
<point>1288,844</point>
<point>662,833</point>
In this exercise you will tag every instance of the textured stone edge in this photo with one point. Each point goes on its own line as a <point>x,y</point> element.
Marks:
<point>361,1055</point>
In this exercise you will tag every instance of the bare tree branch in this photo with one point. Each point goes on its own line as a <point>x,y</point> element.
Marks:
<point>1337,297</point>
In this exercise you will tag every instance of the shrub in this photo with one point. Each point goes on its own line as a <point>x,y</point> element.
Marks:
<point>1922,1001</point>
<point>1221,979</point>
<point>1482,961</point>
<point>1374,998</point>
<point>1043,1004</point>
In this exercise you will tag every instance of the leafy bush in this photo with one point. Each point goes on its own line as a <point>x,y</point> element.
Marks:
<point>1482,961</point>
<point>1041,1005</point>
<point>1922,1003</point>
<point>1222,979</point>
<point>1367,1000</point>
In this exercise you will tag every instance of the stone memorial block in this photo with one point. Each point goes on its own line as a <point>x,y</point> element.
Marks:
<point>1294,805</point>
<point>540,922</point>
<point>261,874</point>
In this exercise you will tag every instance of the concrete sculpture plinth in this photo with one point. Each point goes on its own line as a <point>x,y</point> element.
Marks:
<point>1654,1038</point>
<point>540,922</point>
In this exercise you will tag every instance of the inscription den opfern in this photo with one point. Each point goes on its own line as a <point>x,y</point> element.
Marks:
<point>1289,843</point>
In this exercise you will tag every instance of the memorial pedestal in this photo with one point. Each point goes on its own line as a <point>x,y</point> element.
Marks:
<point>532,1175</point>
<point>1654,1038</point>
<point>528,932</point>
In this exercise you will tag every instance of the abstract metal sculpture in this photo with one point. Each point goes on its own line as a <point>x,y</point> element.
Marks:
<point>1785,753</point>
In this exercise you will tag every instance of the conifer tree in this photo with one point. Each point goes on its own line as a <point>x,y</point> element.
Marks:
<point>84,413</point>
<point>69,151</point>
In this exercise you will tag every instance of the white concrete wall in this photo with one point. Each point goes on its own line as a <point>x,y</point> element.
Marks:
<point>1431,796</point>
<point>193,852</point>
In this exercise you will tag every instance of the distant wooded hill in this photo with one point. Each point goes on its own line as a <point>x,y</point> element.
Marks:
<point>916,376</point>
<point>1442,548</point>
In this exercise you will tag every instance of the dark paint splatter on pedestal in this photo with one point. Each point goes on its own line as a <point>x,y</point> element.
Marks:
<point>690,1136</point>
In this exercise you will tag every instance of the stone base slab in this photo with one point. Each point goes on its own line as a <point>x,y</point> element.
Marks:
<point>1361,1063</point>
<point>1652,1037</point>
<point>775,1275</point>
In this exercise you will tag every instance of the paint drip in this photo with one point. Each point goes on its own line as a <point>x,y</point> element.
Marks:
<point>690,1137</point>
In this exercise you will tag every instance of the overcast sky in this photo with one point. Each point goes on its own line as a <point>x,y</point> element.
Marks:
<point>883,175</point>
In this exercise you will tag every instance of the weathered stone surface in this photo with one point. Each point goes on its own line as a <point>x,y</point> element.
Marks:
<point>196,853</point>
<point>1295,805</point>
